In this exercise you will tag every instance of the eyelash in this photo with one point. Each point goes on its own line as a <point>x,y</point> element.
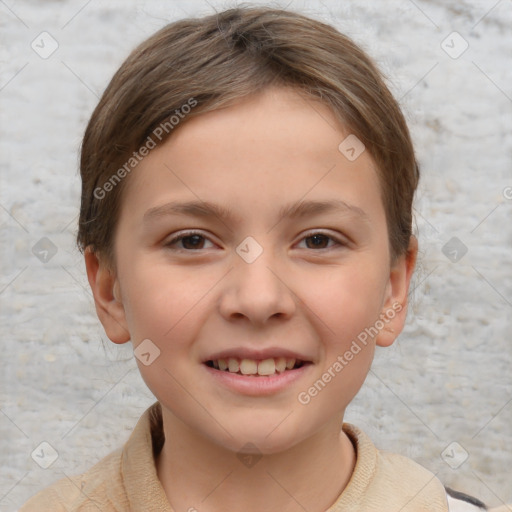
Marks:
<point>189,234</point>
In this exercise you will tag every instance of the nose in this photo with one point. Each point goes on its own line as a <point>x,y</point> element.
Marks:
<point>257,292</point>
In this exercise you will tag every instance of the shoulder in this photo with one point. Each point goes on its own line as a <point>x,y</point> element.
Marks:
<point>384,477</point>
<point>124,480</point>
<point>99,488</point>
<point>424,489</point>
<point>400,481</point>
<point>456,501</point>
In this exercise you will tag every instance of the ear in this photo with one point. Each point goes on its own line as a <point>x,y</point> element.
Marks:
<point>107,297</point>
<point>395,304</point>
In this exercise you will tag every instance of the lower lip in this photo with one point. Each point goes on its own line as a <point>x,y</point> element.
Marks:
<point>258,385</point>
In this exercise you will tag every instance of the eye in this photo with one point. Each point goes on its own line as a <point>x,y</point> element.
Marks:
<point>319,240</point>
<point>190,241</point>
<point>194,241</point>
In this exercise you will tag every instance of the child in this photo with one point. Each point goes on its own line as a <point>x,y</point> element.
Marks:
<point>247,188</point>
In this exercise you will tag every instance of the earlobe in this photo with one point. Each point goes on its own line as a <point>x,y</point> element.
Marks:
<point>395,305</point>
<point>107,297</point>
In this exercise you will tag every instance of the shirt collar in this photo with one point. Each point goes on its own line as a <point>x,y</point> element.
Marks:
<point>377,477</point>
<point>140,478</point>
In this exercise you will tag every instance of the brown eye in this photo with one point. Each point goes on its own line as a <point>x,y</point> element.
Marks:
<point>321,241</point>
<point>189,242</point>
<point>192,242</point>
<point>318,241</point>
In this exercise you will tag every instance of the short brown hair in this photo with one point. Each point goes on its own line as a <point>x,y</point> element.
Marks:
<point>220,58</point>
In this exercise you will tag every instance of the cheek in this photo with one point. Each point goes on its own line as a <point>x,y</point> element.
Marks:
<point>160,301</point>
<point>346,300</point>
<point>332,391</point>
<point>344,313</point>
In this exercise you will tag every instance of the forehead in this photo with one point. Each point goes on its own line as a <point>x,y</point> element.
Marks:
<point>250,125</point>
<point>259,153</point>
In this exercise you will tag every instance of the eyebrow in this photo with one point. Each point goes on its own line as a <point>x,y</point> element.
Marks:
<point>297,209</point>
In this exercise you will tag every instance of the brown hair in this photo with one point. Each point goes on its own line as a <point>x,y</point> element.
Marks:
<point>213,61</point>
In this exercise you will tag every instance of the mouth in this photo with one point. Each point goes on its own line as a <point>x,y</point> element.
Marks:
<point>256,367</point>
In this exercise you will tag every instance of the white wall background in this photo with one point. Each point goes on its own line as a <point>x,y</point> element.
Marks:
<point>447,379</point>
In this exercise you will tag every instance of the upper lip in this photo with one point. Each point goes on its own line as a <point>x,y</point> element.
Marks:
<point>258,355</point>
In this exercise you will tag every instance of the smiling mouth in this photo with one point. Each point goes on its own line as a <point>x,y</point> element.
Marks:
<point>256,368</point>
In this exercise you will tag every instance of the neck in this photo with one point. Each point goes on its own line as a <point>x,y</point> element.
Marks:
<point>199,475</point>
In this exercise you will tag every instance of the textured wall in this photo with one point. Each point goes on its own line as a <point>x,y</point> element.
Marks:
<point>448,377</point>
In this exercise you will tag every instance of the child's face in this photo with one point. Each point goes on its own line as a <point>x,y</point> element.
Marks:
<point>212,295</point>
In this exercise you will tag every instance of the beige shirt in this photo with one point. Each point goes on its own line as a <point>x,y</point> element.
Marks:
<point>126,480</point>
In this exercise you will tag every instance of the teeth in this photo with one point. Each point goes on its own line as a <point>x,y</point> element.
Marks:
<point>248,367</point>
<point>280,364</point>
<point>233,365</point>
<point>265,367</point>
